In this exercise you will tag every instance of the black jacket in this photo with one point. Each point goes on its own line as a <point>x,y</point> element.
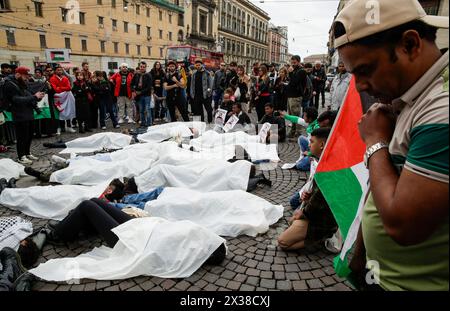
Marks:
<point>276,120</point>
<point>147,84</point>
<point>22,101</point>
<point>319,78</point>
<point>297,83</point>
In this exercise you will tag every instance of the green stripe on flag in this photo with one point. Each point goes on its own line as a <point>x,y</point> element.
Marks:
<point>45,114</point>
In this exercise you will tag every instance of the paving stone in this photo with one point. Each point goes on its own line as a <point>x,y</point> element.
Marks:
<point>299,285</point>
<point>211,288</point>
<point>194,289</point>
<point>246,288</point>
<point>279,260</point>
<point>147,285</point>
<point>126,284</point>
<point>292,276</point>
<point>240,278</point>
<point>306,275</point>
<point>279,275</point>
<point>201,283</point>
<point>233,285</point>
<point>221,282</point>
<point>253,272</point>
<point>284,285</point>
<point>252,281</point>
<point>227,274</point>
<point>263,266</point>
<point>328,280</point>
<point>251,263</point>
<point>304,266</point>
<point>167,284</point>
<point>157,289</point>
<point>135,288</point>
<point>113,288</point>
<point>183,285</point>
<point>318,273</point>
<point>266,283</point>
<point>315,283</point>
<point>277,268</point>
<point>266,274</point>
<point>291,268</point>
<point>210,277</point>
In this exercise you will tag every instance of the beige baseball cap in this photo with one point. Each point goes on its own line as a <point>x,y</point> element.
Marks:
<point>363,18</point>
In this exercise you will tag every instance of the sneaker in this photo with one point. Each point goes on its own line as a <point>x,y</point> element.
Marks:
<point>25,161</point>
<point>58,132</point>
<point>70,130</point>
<point>103,127</point>
<point>121,121</point>
<point>131,121</point>
<point>3,184</point>
<point>12,183</point>
<point>117,126</point>
<point>32,157</point>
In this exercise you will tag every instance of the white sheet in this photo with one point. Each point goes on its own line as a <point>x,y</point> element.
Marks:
<point>227,213</point>
<point>211,139</point>
<point>147,246</point>
<point>97,142</point>
<point>10,169</point>
<point>159,133</point>
<point>128,162</point>
<point>203,175</point>
<point>49,202</point>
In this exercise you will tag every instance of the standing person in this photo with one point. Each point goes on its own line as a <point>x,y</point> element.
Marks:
<point>262,92</point>
<point>243,85</point>
<point>22,103</point>
<point>61,84</point>
<point>81,91</point>
<point>141,88</point>
<point>200,91</point>
<point>279,90</point>
<point>294,90</point>
<point>50,126</point>
<point>231,79</point>
<point>319,79</point>
<point>85,70</point>
<point>38,76</point>
<point>122,91</point>
<point>5,70</point>
<point>404,226</point>
<point>157,74</point>
<point>339,87</point>
<point>102,90</point>
<point>174,84</point>
<point>309,92</point>
<point>219,86</point>
<point>254,80</point>
<point>94,102</point>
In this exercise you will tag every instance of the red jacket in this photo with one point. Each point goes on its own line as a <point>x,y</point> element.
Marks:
<point>60,85</point>
<point>117,80</point>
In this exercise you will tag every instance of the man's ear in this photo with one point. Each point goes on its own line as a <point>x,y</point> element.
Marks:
<point>411,44</point>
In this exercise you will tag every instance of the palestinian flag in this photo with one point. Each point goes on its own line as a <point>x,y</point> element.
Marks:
<point>342,176</point>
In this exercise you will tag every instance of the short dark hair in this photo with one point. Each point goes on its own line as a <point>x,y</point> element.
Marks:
<point>390,38</point>
<point>328,115</point>
<point>38,69</point>
<point>131,186</point>
<point>118,192</point>
<point>296,57</point>
<point>84,63</point>
<point>233,64</point>
<point>269,105</point>
<point>239,105</point>
<point>29,253</point>
<point>312,113</point>
<point>321,133</point>
<point>5,65</point>
<point>143,63</point>
<point>309,65</point>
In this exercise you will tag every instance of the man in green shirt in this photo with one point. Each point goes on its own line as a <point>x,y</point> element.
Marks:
<point>404,236</point>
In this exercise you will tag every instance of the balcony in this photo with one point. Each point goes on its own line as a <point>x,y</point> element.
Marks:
<point>167,5</point>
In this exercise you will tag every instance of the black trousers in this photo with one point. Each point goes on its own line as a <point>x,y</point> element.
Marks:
<point>319,92</point>
<point>177,102</point>
<point>197,108</point>
<point>24,135</point>
<point>260,106</point>
<point>92,215</point>
<point>93,114</point>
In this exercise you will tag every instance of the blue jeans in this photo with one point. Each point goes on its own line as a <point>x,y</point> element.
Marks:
<point>296,201</point>
<point>139,199</point>
<point>217,97</point>
<point>144,103</point>
<point>304,164</point>
<point>106,106</point>
<point>305,104</point>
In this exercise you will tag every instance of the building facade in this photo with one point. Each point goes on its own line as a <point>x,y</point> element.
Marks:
<point>243,32</point>
<point>278,44</point>
<point>202,19</point>
<point>103,32</point>
<point>316,58</point>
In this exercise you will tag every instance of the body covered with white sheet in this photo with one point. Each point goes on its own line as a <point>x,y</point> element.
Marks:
<point>147,246</point>
<point>227,213</point>
<point>159,133</point>
<point>10,169</point>
<point>97,142</point>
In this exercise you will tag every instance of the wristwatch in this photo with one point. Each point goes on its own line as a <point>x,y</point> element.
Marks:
<point>372,150</point>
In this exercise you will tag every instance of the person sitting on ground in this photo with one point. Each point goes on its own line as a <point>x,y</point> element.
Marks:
<point>327,118</point>
<point>313,221</point>
<point>274,118</point>
<point>228,100</point>
<point>244,119</point>
<point>101,217</point>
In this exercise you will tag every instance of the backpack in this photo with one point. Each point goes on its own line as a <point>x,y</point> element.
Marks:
<point>308,91</point>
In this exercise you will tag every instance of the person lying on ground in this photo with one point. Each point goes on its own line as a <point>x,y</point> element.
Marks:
<point>313,221</point>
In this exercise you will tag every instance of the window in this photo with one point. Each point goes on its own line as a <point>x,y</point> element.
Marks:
<point>67,43</point>
<point>116,47</point>
<point>138,29</point>
<point>11,38</point>
<point>101,20</point>
<point>125,26</point>
<point>114,24</point>
<point>170,19</point>
<point>149,32</point>
<point>125,5</point>
<point>82,18</point>
<point>160,34</point>
<point>161,52</point>
<point>64,12</point>
<point>160,15</point>
<point>42,41</point>
<point>181,19</point>
<point>203,22</point>
<point>149,50</point>
<point>113,4</point>
<point>99,2</point>
<point>148,12</point>
<point>113,66</point>
<point>4,5</point>
<point>38,9</point>
<point>431,7</point>
<point>127,48</point>
<point>138,49</point>
<point>180,35</point>
<point>138,9</point>
<point>170,36</point>
<point>84,47</point>
<point>103,46</point>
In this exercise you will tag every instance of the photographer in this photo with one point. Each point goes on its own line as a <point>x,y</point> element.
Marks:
<point>22,104</point>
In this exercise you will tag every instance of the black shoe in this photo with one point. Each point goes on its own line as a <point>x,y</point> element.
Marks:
<point>32,172</point>
<point>3,184</point>
<point>81,131</point>
<point>12,265</point>
<point>12,183</point>
<point>88,130</point>
<point>52,237</point>
<point>24,282</point>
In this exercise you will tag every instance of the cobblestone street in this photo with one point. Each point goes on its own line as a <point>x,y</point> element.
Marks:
<point>251,264</point>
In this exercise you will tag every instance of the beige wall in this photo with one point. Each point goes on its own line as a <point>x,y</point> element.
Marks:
<point>55,30</point>
<point>442,38</point>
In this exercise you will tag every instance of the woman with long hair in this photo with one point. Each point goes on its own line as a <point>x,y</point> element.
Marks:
<point>158,74</point>
<point>262,91</point>
<point>243,85</point>
<point>81,91</point>
<point>280,90</point>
